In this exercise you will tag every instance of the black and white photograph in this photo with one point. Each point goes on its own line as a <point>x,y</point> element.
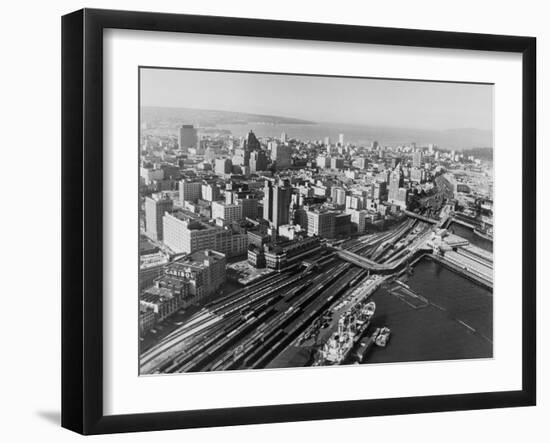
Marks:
<point>271,222</point>
<point>290,221</point>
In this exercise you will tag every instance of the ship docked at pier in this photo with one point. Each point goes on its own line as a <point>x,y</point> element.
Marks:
<point>351,326</point>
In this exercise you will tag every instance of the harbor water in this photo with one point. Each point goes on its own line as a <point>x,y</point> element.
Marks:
<point>453,320</point>
<point>468,234</point>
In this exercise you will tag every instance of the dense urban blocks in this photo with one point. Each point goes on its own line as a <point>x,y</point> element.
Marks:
<point>269,241</point>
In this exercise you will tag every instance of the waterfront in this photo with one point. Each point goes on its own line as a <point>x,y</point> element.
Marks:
<point>359,134</point>
<point>469,235</point>
<point>266,226</point>
<point>435,331</point>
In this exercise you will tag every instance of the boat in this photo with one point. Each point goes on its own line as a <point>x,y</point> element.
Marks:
<point>383,337</point>
<point>365,345</point>
<point>351,326</point>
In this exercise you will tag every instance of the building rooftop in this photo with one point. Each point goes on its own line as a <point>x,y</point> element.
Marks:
<point>156,295</point>
<point>186,215</point>
<point>198,259</point>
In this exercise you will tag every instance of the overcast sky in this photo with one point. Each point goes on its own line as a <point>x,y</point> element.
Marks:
<point>397,103</point>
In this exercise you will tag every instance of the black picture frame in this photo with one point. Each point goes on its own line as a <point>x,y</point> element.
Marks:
<point>82,231</point>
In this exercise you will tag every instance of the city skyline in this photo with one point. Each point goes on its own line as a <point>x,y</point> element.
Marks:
<point>392,103</point>
<point>274,243</point>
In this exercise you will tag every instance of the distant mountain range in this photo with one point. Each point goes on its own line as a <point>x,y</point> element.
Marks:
<point>211,117</point>
<point>239,123</point>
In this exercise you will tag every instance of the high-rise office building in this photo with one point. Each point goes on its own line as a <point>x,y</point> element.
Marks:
<point>341,139</point>
<point>223,166</point>
<point>417,175</point>
<point>187,137</point>
<point>379,189</point>
<point>323,161</point>
<point>189,191</point>
<point>396,182</point>
<point>336,163</point>
<point>417,159</point>
<point>149,175</point>
<point>342,224</point>
<point>354,202</point>
<point>241,157</point>
<point>321,223</point>
<point>338,196</point>
<point>249,206</point>
<point>280,154</point>
<point>258,161</point>
<point>251,142</point>
<point>402,195</point>
<point>358,219</point>
<point>268,200</point>
<point>227,212</point>
<point>210,192</point>
<point>183,235</point>
<point>155,207</point>
<point>284,137</point>
<point>397,194</point>
<point>281,204</point>
<point>277,199</point>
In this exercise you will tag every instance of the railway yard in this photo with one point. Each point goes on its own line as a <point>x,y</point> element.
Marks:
<point>283,319</point>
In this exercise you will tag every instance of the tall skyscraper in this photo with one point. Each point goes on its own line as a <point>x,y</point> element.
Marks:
<point>277,199</point>
<point>155,207</point>
<point>248,145</point>
<point>341,139</point>
<point>397,194</point>
<point>338,196</point>
<point>251,142</point>
<point>280,154</point>
<point>284,137</point>
<point>223,166</point>
<point>379,189</point>
<point>281,204</point>
<point>187,137</point>
<point>258,161</point>
<point>417,159</point>
<point>268,200</point>
<point>396,182</point>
